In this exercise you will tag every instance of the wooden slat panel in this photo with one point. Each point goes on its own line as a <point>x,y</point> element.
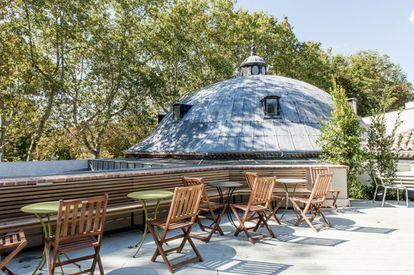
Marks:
<point>12,198</point>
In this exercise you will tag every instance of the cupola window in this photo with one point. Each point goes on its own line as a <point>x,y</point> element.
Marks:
<point>271,106</point>
<point>179,110</point>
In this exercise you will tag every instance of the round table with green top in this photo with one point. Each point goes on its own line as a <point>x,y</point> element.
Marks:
<point>43,211</point>
<point>144,197</point>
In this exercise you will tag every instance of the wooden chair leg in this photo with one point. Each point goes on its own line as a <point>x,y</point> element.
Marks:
<point>50,266</point>
<point>7,271</point>
<point>190,241</point>
<point>202,227</point>
<point>215,227</point>
<point>267,227</point>
<point>158,243</point>
<point>335,198</point>
<point>241,227</point>
<point>310,223</point>
<point>299,221</point>
<point>96,260</point>
<point>303,217</point>
<point>186,234</point>
<point>297,208</point>
<point>101,269</point>
<point>314,215</point>
<point>324,218</point>
<point>258,223</point>
<point>216,223</point>
<point>273,214</point>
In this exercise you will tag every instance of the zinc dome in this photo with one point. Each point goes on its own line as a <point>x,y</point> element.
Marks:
<point>254,116</point>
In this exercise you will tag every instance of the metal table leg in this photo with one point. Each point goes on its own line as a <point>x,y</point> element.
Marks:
<point>287,198</point>
<point>228,212</point>
<point>226,204</point>
<point>139,244</point>
<point>47,231</point>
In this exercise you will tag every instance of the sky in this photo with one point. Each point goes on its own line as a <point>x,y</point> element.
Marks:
<point>350,26</point>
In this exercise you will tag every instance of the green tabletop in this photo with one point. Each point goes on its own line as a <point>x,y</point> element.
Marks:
<point>150,195</point>
<point>48,207</point>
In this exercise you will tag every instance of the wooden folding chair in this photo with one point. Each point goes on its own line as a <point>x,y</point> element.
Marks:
<point>314,202</point>
<point>207,211</point>
<point>79,225</point>
<point>182,215</point>
<point>314,172</point>
<point>11,243</point>
<point>275,200</point>
<point>258,204</point>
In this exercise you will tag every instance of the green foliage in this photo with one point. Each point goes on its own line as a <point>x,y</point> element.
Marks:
<point>383,144</point>
<point>370,77</point>
<point>93,74</point>
<point>341,139</point>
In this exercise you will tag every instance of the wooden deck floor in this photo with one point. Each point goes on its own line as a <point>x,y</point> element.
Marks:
<point>365,239</point>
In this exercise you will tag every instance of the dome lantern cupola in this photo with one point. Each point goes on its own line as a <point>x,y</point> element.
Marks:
<point>253,65</point>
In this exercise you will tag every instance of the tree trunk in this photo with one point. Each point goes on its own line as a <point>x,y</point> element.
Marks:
<point>2,129</point>
<point>41,127</point>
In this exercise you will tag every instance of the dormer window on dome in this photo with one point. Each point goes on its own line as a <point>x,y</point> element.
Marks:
<point>179,110</point>
<point>253,65</point>
<point>271,106</point>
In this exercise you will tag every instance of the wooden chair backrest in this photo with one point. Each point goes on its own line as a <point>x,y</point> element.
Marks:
<point>188,181</point>
<point>250,179</point>
<point>185,203</point>
<point>315,171</point>
<point>80,218</point>
<point>262,191</point>
<point>321,187</point>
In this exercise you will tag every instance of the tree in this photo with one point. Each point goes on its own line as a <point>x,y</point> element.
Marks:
<point>75,70</point>
<point>370,77</point>
<point>109,73</point>
<point>341,139</point>
<point>382,144</point>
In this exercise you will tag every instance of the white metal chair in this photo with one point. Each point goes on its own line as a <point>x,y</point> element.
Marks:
<point>379,181</point>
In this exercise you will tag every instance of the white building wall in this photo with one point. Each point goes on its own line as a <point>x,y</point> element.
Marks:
<point>407,119</point>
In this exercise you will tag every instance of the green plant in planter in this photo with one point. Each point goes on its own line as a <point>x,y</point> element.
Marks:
<point>382,146</point>
<point>341,140</point>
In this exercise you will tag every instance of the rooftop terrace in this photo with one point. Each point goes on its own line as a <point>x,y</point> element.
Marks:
<point>365,239</point>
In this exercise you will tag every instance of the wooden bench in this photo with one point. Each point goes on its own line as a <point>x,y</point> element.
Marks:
<point>12,198</point>
<point>121,208</point>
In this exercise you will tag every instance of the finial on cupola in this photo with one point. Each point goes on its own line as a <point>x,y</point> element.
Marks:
<point>254,64</point>
<point>253,49</point>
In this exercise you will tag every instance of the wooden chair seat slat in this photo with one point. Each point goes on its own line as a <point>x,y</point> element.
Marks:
<point>11,243</point>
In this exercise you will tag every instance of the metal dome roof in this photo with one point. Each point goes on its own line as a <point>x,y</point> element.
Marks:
<point>253,59</point>
<point>227,120</point>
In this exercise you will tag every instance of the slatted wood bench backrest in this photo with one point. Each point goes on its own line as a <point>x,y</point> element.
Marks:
<point>406,180</point>
<point>14,197</point>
